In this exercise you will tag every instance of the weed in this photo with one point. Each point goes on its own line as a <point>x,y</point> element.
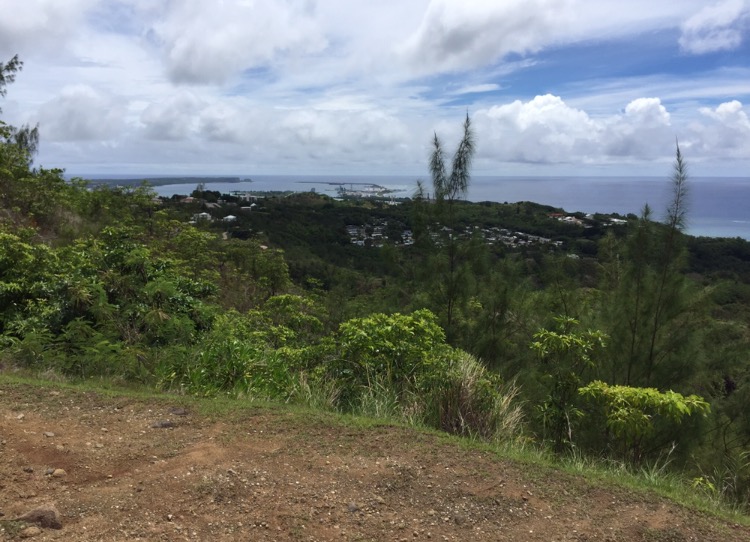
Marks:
<point>11,527</point>
<point>321,394</point>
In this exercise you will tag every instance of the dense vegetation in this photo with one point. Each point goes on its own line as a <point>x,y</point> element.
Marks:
<point>622,339</point>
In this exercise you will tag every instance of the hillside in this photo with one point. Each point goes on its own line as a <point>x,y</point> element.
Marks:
<point>146,468</point>
<point>592,339</point>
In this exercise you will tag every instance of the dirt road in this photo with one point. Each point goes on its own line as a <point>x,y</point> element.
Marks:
<point>130,468</point>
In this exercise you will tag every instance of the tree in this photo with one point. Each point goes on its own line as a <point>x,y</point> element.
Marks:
<point>448,189</point>
<point>8,72</point>
<point>451,187</point>
<point>24,138</point>
<point>393,350</point>
<point>671,257</point>
<point>566,355</point>
<point>648,303</point>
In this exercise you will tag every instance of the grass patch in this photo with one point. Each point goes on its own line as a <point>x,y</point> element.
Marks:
<point>11,527</point>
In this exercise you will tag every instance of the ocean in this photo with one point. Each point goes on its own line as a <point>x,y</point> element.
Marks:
<point>717,207</point>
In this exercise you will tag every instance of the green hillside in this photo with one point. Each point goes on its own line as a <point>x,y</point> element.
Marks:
<point>613,340</point>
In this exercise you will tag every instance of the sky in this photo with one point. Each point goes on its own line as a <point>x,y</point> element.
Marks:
<point>359,87</point>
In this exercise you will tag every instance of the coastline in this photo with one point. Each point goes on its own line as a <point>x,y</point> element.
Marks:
<point>717,205</point>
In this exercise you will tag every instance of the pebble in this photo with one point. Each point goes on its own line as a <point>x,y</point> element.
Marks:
<point>45,516</point>
<point>59,473</point>
<point>49,434</point>
<point>30,532</point>
<point>163,424</point>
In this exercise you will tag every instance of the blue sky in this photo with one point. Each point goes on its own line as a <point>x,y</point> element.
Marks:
<point>553,87</point>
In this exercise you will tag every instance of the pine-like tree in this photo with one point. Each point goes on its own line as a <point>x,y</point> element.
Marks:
<point>649,306</point>
<point>450,289</point>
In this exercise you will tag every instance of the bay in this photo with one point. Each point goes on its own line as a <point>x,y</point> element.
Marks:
<point>717,206</point>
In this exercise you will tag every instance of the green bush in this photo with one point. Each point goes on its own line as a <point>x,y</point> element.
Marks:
<point>400,366</point>
<point>232,358</point>
<point>397,351</point>
<point>631,413</point>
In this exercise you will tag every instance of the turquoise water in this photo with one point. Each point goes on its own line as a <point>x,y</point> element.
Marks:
<point>717,207</point>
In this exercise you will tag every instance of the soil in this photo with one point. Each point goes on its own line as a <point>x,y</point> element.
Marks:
<point>129,467</point>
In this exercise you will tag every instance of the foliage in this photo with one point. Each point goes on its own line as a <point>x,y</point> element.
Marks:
<point>677,208</point>
<point>631,412</point>
<point>449,265</point>
<point>231,359</point>
<point>17,145</point>
<point>454,186</point>
<point>399,366</point>
<point>398,350</point>
<point>649,308</point>
<point>566,355</point>
<point>498,319</point>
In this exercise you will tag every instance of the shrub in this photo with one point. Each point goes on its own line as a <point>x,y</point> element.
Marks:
<point>396,351</point>
<point>400,366</point>
<point>468,400</point>
<point>229,359</point>
<point>631,412</point>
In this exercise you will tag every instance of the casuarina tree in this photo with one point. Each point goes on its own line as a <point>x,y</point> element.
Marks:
<point>448,188</point>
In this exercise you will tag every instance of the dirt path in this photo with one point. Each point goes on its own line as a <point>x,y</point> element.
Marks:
<point>145,469</point>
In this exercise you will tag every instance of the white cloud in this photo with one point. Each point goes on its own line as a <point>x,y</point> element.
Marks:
<point>547,130</point>
<point>718,27</point>
<point>459,36</point>
<point>723,132</point>
<point>477,89</point>
<point>463,35</point>
<point>647,112</point>
<point>729,113</point>
<point>236,135</point>
<point>312,138</point>
<point>39,27</point>
<point>643,132</point>
<point>224,122</point>
<point>208,42</point>
<point>174,119</point>
<point>542,130</point>
<point>358,86</point>
<point>374,135</point>
<point>81,113</point>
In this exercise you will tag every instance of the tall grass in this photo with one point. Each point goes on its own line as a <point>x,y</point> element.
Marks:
<point>457,395</point>
<point>728,482</point>
<point>472,402</point>
<point>320,394</point>
<point>379,400</point>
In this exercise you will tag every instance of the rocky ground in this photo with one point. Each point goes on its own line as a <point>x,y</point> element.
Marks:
<point>111,467</point>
